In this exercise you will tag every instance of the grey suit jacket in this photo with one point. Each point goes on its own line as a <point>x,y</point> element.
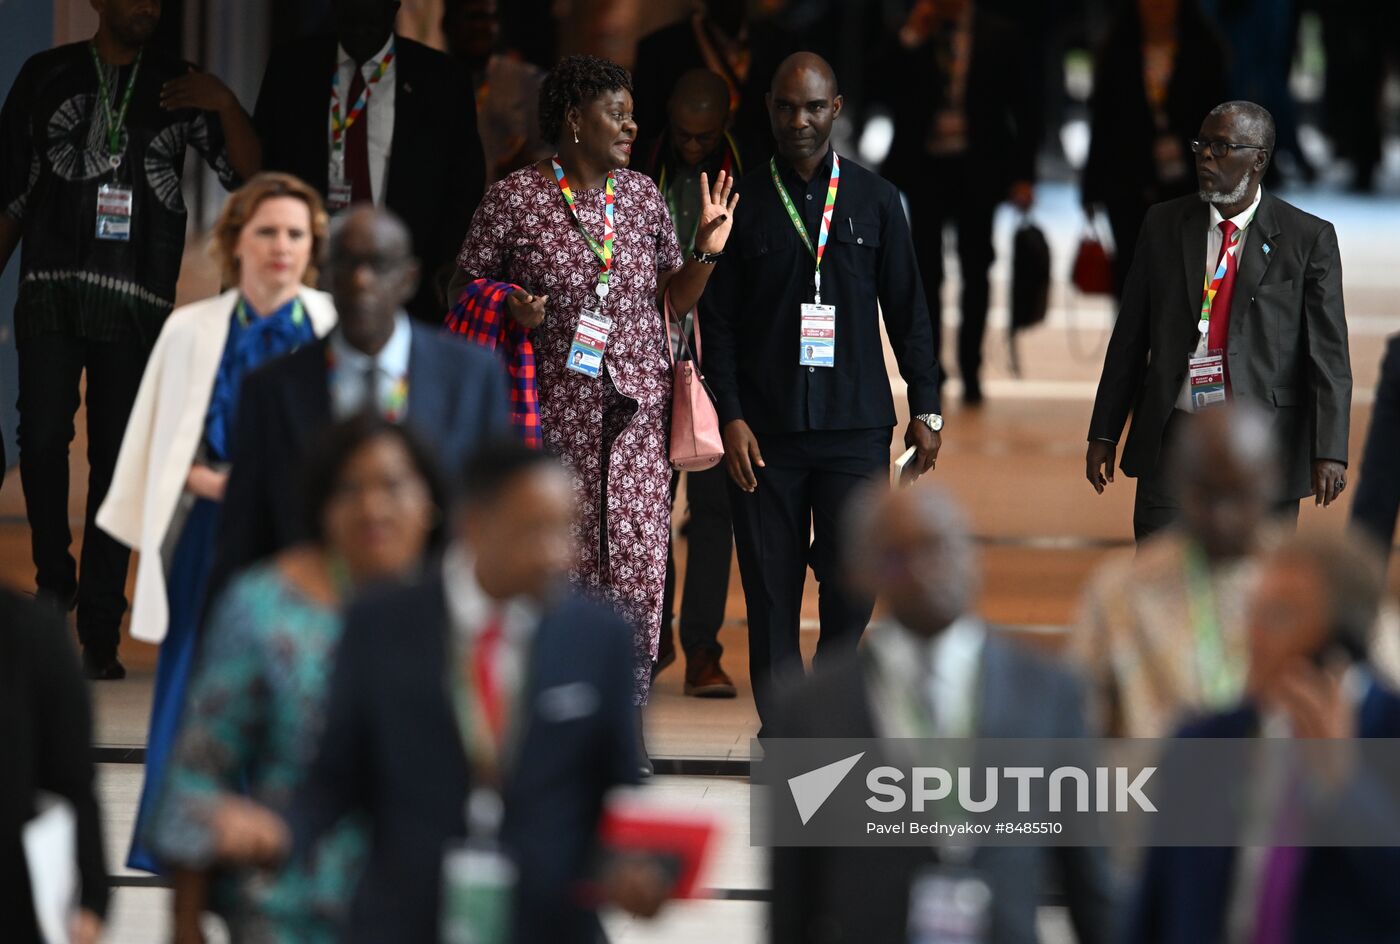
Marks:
<point>861,895</point>
<point>1287,350</point>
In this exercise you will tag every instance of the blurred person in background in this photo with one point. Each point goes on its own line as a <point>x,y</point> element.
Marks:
<point>46,723</point>
<point>486,685</point>
<point>1309,626</point>
<point>377,359</point>
<point>507,88</point>
<point>696,139</point>
<point>367,116</point>
<point>932,670</point>
<point>1160,68</point>
<point>93,139</point>
<point>965,145</point>
<point>802,434</point>
<point>268,241</point>
<point>1377,499</point>
<point>578,237</point>
<point>257,700</point>
<point>1358,37</point>
<point>1235,295</point>
<point>1161,635</point>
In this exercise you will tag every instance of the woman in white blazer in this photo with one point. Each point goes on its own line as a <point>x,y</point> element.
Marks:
<point>173,463</point>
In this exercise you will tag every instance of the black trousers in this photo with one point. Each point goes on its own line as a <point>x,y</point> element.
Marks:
<point>50,368</point>
<point>792,522</point>
<point>947,193</point>
<point>1155,505</point>
<point>710,540</point>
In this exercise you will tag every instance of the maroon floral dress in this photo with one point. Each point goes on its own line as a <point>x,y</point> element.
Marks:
<point>613,432</point>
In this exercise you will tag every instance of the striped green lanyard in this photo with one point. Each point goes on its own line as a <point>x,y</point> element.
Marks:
<point>115,122</point>
<point>1220,678</point>
<point>824,232</point>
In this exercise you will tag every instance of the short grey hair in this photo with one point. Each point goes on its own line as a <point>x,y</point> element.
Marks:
<point>936,507</point>
<point>1249,439</point>
<point>1258,122</point>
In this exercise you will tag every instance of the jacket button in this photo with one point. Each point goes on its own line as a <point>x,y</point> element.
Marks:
<point>811,370</point>
<point>860,240</point>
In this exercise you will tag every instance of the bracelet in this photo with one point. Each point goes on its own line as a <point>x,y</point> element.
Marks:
<point>707,258</point>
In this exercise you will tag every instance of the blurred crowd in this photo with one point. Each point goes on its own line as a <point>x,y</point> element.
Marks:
<point>403,491</point>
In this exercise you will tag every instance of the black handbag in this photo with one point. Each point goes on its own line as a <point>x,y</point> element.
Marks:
<point>1030,283</point>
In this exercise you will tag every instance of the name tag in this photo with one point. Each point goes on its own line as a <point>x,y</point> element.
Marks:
<point>114,205</point>
<point>818,336</point>
<point>339,193</point>
<point>1207,377</point>
<point>590,341</point>
<point>477,887</point>
<point>949,905</point>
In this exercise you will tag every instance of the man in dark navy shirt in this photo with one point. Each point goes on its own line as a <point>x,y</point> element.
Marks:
<point>803,391</point>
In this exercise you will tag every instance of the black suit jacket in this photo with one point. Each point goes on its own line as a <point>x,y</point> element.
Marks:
<point>392,751</point>
<point>1344,895</point>
<point>1287,351</point>
<point>858,895</point>
<point>47,730</point>
<point>1378,493</point>
<point>436,171</point>
<point>457,401</point>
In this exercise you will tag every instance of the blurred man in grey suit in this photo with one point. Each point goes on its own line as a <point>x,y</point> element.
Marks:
<point>933,670</point>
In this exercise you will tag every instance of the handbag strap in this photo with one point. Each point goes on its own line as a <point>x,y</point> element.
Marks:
<point>680,328</point>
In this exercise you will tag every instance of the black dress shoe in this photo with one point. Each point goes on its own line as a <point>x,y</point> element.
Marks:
<point>665,651</point>
<point>102,667</point>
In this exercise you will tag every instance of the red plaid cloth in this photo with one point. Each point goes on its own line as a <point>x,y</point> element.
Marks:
<point>480,316</point>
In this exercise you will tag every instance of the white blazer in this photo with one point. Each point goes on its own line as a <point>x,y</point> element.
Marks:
<point>163,435</point>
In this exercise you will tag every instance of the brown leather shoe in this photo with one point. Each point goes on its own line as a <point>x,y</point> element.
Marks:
<point>704,678</point>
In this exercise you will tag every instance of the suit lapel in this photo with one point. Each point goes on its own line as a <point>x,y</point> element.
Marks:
<point>317,119</point>
<point>1262,232</point>
<point>427,397</point>
<point>405,100</point>
<point>1193,255</point>
<point>992,686</point>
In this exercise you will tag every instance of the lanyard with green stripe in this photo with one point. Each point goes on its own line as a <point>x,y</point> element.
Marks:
<point>241,310</point>
<point>825,230</point>
<point>1220,678</point>
<point>116,122</point>
<point>603,250</point>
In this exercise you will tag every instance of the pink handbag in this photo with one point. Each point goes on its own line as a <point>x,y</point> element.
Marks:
<point>696,444</point>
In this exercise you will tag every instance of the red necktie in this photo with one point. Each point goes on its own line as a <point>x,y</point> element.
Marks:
<point>357,145</point>
<point>1220,306</point>
<point>487,679</point>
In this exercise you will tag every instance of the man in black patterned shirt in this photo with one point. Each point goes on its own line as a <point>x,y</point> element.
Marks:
<point>92,149</point>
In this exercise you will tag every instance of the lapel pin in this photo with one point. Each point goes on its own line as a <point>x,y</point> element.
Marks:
<point>1266,249</point>
<point>408,88</point>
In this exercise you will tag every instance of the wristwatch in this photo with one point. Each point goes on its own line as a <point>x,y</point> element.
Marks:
<point>932,420</point>
<point>708,258</point>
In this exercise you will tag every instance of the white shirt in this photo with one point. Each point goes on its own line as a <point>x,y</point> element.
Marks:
<point>470,611</point>
<point>379,113</point>
<point>941,673</point>
<point>390,364</point>
<point>1214,240</point>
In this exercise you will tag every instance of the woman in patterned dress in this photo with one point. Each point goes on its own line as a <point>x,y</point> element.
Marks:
<point>255,705</point>
<point>545,229</point>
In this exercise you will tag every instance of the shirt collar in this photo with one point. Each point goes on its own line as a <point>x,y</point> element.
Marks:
<point>950,657</point>
<point>1243,218</point>
<point>469,607</point>
<point>343,58</point>
<point>822,173</point>
<point>392,359</point>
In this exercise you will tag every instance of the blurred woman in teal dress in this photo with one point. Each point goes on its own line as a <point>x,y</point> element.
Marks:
<point>255,704</point>
<point>169,479</point>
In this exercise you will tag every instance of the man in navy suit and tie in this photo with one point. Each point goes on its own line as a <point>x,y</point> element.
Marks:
<point>487,681</point>
<point>1311,618</point>
<point>453,394</point>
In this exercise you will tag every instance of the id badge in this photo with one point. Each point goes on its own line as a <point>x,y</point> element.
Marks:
<point>339,193</point>
<point>949,905</point>
<point>818,336</point>
<point>590,341</point>
<point>478,885</point>
<point>1207,376</point>
<point>114,205</point>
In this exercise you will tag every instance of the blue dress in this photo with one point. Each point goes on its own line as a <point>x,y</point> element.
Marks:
<point>251,342</point>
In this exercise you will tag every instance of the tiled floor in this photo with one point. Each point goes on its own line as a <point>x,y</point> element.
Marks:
<point>1016,465</point>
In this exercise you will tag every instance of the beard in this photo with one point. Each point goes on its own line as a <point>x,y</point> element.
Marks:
<point>1227,199</point>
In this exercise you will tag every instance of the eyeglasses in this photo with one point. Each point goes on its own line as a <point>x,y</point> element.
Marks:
<point>1220,148</point>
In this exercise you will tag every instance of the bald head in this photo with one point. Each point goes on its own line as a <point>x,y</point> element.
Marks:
<point>697,116</point>
<point>799,62</point>
<point>911,548</point>
<point>802,107</point>
<point>700,90</point>
<point>373,274</point>
<point>1226,469</point>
